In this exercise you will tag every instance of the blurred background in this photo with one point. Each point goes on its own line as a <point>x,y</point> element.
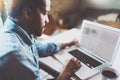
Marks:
<point>67,14</point>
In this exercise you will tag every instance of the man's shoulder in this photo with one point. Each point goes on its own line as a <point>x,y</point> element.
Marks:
<point>7,38</point>
<point>8,43</point>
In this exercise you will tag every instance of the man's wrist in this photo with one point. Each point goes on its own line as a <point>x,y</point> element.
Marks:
<point>65,75</point>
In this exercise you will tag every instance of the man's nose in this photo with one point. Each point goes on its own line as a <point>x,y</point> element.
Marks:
<point>46,19</point>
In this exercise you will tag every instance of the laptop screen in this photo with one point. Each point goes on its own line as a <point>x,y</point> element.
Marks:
<point>100,40</point>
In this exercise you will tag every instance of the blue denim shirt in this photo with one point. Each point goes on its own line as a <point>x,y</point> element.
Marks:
<point>19,53</point>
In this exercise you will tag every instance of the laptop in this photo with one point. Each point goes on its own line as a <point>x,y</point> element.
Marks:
<point>97,48</point>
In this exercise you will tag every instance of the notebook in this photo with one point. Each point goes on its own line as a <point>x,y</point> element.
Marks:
<point>97,48</point>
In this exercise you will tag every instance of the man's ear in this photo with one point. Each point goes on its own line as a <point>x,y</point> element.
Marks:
<point>26,13</point>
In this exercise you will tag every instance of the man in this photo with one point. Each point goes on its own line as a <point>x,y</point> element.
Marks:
<point>19,52</point>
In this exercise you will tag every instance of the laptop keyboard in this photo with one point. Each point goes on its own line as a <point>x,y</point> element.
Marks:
<point>88,61</point>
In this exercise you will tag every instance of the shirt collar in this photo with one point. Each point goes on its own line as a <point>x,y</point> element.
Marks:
<point>10,25</point>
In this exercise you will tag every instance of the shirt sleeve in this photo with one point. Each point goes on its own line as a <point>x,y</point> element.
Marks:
<point>47,49</point>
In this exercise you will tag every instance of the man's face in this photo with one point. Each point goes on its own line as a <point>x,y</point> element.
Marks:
<point>39,19</point>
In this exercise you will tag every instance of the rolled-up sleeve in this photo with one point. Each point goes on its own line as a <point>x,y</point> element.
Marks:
<point>47,49</point>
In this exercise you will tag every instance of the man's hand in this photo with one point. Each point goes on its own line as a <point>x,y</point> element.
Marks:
<point>68,44</point>
<point>70,68</point>
<point>72,65</point>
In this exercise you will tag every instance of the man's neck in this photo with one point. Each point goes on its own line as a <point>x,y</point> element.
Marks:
<point>21,23</point>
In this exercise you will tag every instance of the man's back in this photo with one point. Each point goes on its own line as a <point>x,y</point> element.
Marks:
<point>16,58</point>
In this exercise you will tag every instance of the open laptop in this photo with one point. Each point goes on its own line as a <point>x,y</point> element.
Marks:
<point>97,48</point>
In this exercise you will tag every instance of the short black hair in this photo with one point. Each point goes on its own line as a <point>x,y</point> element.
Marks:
<point>18,5</point>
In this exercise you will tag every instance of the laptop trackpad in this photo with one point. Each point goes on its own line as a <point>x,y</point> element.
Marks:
<point>85,72</point>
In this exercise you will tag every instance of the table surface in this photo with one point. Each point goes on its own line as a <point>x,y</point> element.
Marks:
<point>68,36</point>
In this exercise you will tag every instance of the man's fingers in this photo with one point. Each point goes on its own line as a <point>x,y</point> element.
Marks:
<point>78,63</point>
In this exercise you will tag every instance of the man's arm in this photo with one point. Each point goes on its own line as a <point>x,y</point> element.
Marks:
<point>47,49</point>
